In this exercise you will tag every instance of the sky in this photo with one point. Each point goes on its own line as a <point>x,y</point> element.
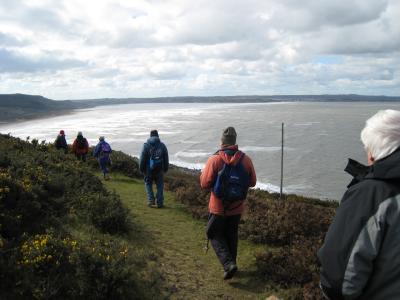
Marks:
<point>74,49</point>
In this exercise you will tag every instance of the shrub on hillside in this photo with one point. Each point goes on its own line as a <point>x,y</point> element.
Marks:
<point>51,267</point>
<point>25,207</point>
<point>291,264</point>
<point>107,213</point>
<point>273,221</point>
<point>186,187</point>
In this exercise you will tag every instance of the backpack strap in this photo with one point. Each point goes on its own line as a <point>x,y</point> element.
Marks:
<point>240,159</point>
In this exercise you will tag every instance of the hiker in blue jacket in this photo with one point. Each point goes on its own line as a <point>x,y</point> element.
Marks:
<point>153,164</point>
<point>102,153</point>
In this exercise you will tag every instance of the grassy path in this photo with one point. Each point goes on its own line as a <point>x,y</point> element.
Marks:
<point>179,241</point>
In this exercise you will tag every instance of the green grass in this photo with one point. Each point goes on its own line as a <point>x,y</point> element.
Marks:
<point>178,240</point>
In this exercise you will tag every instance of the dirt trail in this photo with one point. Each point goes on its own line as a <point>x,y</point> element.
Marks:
<point>188,272</point>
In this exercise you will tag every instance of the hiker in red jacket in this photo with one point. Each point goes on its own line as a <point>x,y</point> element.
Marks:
<point>80,147</point>
<point>225,213</point>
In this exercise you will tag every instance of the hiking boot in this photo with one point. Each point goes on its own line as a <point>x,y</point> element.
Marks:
<point>231,271</point>
<point>160,206</point>
<point>151,204</point>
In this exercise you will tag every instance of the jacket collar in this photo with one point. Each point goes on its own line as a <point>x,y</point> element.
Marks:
<point>385,168</point>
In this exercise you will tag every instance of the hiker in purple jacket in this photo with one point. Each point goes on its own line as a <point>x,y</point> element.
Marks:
<point>102,153</point>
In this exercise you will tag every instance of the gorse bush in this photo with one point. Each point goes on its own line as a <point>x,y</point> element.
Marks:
<point>43,193</point>
<point>54,267</point>
<point>42,188</point>
<point>108,214</point>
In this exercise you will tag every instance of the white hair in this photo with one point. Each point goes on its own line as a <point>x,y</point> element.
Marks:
<point>381,134</point>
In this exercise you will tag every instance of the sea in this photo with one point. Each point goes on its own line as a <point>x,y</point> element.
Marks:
<point>318,137</point>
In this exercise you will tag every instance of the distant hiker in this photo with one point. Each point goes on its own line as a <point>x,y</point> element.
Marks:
<point>102,153</point>
<point>154,163</point>
<point>80,147</point>
<point>228,173</point>
<point>360,257</point>
<point>61,142</point>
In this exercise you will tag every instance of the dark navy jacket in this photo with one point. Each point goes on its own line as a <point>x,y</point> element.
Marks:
<point>360,257</point>
<point>153,141</point>
<point>61,142</point>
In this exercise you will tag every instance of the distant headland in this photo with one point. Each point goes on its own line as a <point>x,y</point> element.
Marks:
<point>21,106</point>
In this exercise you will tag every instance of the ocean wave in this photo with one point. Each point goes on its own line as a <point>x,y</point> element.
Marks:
<point>268,187</point>
<point>193,166</point>
<point>306,123</point>
<point>191,154</point>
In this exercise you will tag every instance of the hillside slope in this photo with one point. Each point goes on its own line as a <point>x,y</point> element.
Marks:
<point>63,235</point>
<point>20,106</point>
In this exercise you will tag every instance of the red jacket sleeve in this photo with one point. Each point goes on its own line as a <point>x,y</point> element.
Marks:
<point>209,172</point>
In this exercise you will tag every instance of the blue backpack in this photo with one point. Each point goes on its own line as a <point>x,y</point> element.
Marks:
<point>156,159</point>
<point>232,183</point>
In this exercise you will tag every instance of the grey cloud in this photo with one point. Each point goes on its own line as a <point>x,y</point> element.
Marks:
<point>374,38</point>
<point>40,19</point>
<point>314,14</point>
<point>33,17</point>
<point>12,62</point>
<point>7,40</point>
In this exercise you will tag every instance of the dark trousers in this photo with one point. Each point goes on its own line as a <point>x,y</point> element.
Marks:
<point>223,233</point>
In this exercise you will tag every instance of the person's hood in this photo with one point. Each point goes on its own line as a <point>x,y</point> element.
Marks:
<point>153,141</point>
<point>230,155</point>
<point>385,168</point>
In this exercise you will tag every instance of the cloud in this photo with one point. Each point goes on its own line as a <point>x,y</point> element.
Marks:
<point>314,14</point>
<point>115,48</point>
<point>9,40</point>
<point>167,70</point>
<point>14,62</point>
